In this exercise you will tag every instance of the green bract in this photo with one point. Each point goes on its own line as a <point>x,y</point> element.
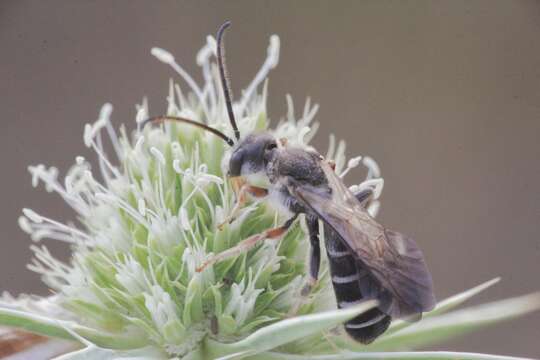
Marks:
<point>147,217</point>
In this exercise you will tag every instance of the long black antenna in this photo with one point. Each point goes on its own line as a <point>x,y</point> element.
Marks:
<point>224,77</point>
<point>158,119</point>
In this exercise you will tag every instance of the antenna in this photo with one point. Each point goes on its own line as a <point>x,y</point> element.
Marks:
<point>224,77</point>
<point>159,119</point>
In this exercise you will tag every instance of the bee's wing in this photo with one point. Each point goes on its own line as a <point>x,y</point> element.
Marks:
<point>392,258</point>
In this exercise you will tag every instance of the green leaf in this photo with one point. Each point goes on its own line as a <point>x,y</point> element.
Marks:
<point>227,324</point>
<point>436,329</point>
<point>96,353</point>
<point>285,331</point>
<point>446,305</point>
<point>456,300</point>
<point>431,355</point>
<point>398,325</point>
<point>108,319</point>
<point>193,303</point>
<point>42,325</point>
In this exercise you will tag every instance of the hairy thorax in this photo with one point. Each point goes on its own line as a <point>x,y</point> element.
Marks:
<point>293,165</point>
<point>297,164</point>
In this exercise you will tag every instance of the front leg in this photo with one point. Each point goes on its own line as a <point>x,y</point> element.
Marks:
<point>241,198</point>
<point>364,197</point>
<point>315,251</point>
<point>245,245</point>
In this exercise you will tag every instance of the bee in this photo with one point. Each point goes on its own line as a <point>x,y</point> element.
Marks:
<point>366,260</point>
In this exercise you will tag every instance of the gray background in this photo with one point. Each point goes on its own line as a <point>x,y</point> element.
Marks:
<point>445,95</point>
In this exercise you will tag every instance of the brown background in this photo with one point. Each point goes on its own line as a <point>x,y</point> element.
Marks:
<point>445,95</point>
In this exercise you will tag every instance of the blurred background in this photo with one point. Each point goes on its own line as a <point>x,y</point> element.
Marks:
<point>445,95</point>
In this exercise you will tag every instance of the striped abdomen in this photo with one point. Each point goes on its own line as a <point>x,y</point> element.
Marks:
<point>349,276</point>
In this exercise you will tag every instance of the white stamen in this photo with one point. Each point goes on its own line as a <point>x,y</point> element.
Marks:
<point>176,166</point>
<point>273,51</point>
<point>158,155</point>
<point>167,58</point>
<point>339,156</point>
<point>201,182</point>
<point>206,51</point>
<point>32,215</point>
<point>142,111</point>
<point>376,185</point>
<point>35,171</point>
<point>184,220</point>
<point>373,208</point>
<point>106,111</point>
<point>212,43</point>
<point>303,131</point>
<point>272,59</point>
<point>290,109</point>
<point>139,144</point>
<point>373,168</point>
<point>212,178</point>
<point>331,147</point>
<point>53,174</point>
<point>68,184</point>
<point>103,160</point>
<point>87,135</point>
<point>162,55</point>
<point>172,109</point>
<point>105,115</point>
<point>141,205</point>
<point>88,175</point>
<point>354,162</point>
<point>25,225</point>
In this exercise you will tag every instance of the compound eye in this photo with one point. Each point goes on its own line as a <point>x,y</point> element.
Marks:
<point>235,163</point>
<point>271,146</point>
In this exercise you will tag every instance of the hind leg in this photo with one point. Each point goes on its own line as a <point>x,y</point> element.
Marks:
<point>245,245</point>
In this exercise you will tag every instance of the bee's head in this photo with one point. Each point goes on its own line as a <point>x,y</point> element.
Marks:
<point>252,154</point>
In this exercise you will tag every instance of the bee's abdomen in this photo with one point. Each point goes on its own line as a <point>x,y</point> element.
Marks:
<point>348,277</point>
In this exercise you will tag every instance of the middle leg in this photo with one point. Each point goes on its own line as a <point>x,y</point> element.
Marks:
<point>312,223</point>
<point>254,191</point>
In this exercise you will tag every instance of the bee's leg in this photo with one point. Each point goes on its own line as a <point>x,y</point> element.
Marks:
<point>314,255</point>
<point>245,245</point>
<point>312,223</point>
<point>241,198</point>
<point>364,196</point>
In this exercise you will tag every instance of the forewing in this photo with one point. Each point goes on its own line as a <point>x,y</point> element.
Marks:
<point>394,259</point>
